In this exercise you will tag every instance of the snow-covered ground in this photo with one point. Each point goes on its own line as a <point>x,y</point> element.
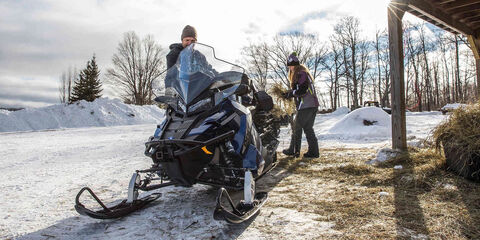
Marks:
<point>44,170</point>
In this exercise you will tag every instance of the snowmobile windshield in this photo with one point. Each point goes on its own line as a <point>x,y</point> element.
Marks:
<point>196,70</point>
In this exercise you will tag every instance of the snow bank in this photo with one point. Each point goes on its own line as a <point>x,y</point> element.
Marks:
<point>340,111</point>
<point>452,106</point>
<point>353,124</point>
<point>99,113</point>
<point>423,113</point>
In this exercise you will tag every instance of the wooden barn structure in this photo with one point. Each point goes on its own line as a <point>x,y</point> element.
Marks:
<point>456,16</point>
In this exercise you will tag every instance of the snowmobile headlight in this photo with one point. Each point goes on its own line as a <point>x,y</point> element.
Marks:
<point>199,104</point>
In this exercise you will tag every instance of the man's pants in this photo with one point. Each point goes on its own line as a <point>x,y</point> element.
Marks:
<point>304,121</point>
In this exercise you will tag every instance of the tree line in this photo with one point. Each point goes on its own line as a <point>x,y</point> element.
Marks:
<point>348,68</point>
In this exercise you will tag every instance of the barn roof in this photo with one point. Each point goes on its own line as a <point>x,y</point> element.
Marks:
<point>456,16</point>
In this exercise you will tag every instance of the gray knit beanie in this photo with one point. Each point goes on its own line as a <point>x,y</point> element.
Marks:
<point>189,31</point>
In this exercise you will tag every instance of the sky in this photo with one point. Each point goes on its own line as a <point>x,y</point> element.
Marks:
<point>41,39</point>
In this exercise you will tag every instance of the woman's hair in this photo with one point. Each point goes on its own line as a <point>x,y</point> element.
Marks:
<point>298,68</point>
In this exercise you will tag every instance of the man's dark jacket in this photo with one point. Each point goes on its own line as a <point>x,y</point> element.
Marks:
<point>172,56</point>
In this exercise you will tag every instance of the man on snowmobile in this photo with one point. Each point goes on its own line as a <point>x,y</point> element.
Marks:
<point>189,36</point>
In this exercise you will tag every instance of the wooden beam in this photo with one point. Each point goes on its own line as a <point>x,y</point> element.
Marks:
<point>427,9</point>
<point>475,22</point>
<point>470,18</point>
<point>463,17</point>
<point>457,4</point>
<point>427,19</point>
<point>395,37</point>
<point>445,1</point>
<point>465,9</point>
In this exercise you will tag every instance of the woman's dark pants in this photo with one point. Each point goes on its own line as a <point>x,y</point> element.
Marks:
<point>304,121</point>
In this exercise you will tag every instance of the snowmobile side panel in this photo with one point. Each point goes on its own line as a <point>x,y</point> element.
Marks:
<point>238,140</point>
<point>199,130</point>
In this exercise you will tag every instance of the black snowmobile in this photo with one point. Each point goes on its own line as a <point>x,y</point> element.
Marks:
<point>218,131</point>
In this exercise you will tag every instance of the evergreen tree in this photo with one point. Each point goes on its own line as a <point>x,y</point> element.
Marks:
<point>88,85</point>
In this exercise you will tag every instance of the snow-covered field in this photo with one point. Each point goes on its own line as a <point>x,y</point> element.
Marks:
<point>43,171</point>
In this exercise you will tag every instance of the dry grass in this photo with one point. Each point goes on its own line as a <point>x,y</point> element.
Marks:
<point>461,129</point>
<point>460,137</point>
<point>421,200</point>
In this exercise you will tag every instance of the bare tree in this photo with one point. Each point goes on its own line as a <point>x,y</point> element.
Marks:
<point>364,51</point>
<point>282,47</point>
<point>347,33</point>
<point>412,54</point>
<point>425,47</point>
<point>314,62</point>
<point>67,80</point>
<point>137,65</point>
<point>63,88</point>
<point>377,51</point>
<point>442,42</point>
<point>256,57</point>
<point>334,64</point>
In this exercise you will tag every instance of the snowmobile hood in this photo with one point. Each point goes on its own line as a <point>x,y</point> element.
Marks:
<point>197,69</point>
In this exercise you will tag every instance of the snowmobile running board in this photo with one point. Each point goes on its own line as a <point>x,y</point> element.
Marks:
<point>122,209</point>
<point>242,211</point>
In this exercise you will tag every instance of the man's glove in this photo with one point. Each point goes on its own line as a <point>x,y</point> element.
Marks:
<point>288,94</point>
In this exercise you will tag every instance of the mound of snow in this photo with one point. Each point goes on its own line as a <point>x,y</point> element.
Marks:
<point>341,111</point>
<point>353,125</point>
<point>452,106</point>
<point>383,155</point>
<point>99,113</point>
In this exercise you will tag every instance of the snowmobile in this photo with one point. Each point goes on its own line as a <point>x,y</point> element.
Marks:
<point>219,131</point>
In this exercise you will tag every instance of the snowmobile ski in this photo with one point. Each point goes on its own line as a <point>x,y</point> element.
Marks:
<point>240,213</point>
<point>122,209</point>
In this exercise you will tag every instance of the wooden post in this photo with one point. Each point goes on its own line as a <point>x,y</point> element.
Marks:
<point>477,64</point>
<point>474,45</point>
<point>395,37</point>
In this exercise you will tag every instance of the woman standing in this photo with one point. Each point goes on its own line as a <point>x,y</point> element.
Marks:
<point>306,101</point>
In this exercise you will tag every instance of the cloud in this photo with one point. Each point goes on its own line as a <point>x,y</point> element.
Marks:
<point>252,28</point>
<point>42,90</point>
<point>298,25</point>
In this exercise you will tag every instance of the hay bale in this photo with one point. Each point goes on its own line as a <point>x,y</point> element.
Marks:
<point>459,136</point>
